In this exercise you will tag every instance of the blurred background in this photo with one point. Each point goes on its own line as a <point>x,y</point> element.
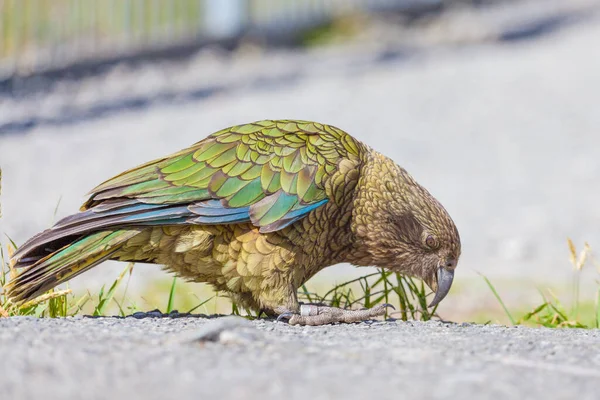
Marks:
<point>491,104</point>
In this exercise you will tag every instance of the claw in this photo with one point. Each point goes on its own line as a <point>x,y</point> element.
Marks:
<point>387,305</point>
<point>285,315</point>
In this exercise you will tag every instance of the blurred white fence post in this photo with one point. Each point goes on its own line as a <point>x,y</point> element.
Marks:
<point>225,18</point>
<point>38,35</point>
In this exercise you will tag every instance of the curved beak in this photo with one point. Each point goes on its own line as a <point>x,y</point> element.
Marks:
<point>444,283</point>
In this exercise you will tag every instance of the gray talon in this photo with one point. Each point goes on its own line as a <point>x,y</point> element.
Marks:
<point>285,315</point>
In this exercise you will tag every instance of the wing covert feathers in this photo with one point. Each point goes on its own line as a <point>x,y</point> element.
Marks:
<point>268,173</point>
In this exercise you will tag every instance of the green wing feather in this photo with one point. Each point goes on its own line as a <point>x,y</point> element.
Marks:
<point>273,167</point>
<point>270,173</point>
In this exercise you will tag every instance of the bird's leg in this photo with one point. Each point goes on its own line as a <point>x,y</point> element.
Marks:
<point>311,314</point>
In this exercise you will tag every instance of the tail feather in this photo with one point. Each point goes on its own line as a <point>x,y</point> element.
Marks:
<point>66,263</point>
<point>94,220</point>
<point>117,214</point>
<point>80,241</point>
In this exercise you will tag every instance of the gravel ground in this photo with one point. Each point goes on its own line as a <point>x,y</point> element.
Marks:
<point>504,132</point>
<point>165,358</point>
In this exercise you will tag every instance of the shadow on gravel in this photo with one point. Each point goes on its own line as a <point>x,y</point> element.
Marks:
<point>73,115</point>
<point>540,27</point>
<point>158,314</point>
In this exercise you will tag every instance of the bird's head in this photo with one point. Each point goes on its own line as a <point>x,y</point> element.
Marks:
<point>427,247</point>
<point>408,231</point>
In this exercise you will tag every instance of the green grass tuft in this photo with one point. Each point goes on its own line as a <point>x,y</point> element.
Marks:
<point>408,295</point>
<point>552,313</point>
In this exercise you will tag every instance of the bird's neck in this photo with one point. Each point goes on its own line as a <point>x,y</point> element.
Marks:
<point>372,194</point>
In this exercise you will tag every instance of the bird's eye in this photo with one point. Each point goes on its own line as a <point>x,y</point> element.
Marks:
<point>431,242</point>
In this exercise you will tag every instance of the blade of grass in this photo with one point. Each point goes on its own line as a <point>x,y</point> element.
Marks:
<point>234,309</point>
<point>366,288</point>
<point>3,266</point>
<point>307,294</point>
<point>598,309</point>
<point>78,306</point>
<point>171,295</point>
<point>493,289</point>
<point>341,285</point>
<point>56,210</point>
<point>386,291</point>
<point>121,311</point>
<point>535,312</point>
<point>12,242</point>
<point>127,283</point>
<point>402,299</point>
<point>45,297</point>
<point>105,300</point>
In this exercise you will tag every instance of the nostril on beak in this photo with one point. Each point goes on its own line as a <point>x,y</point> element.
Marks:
<point>450,263</point>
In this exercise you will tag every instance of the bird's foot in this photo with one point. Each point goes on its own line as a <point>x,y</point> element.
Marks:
<point>311,314</point>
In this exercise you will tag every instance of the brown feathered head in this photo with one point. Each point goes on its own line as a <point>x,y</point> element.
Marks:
<point>404,228</point>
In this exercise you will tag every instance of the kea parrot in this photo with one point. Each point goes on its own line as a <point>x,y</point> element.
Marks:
<point>255,210</point>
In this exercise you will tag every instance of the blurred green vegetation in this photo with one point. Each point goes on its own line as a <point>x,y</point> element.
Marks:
<point>338,30</point>
<point>32,24</point>
<point>553,312</point>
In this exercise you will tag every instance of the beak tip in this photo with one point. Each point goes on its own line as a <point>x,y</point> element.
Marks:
<point>444,281</point>
<point>435,301</point>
